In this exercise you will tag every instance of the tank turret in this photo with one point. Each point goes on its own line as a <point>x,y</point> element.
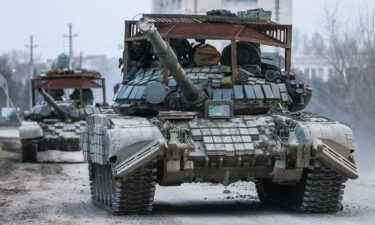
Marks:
<point>57,122</point>
<point>53,104</point>
<point>249,85</point>
<point>165,53</point>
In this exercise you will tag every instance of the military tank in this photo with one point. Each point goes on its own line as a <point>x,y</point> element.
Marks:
<point>55,123</point>
<point>195,117</point>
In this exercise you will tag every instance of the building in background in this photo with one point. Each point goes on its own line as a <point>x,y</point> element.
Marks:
<point>184,6</point>
<point>238,5</point>
<point>282,10</point>
<point>312,66</point>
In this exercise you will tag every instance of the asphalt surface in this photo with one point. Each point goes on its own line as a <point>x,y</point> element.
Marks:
<point>58,193</point>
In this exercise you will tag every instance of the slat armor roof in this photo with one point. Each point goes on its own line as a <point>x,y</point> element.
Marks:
<point>68,79</point>
<point>234,29</point>
<point>178,18</point>
<point>64,73</point>
<point>62,78</point>
<point>217,27</point>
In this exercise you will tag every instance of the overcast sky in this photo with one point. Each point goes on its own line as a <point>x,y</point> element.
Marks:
<point>100,23</point>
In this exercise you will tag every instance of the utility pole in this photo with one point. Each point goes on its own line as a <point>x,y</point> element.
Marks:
<point>31,46</point>
<point>277,11</point>
<point>80,60</point>
<point>70,36</point>
<point>277,18</point>
<point>196,7</point>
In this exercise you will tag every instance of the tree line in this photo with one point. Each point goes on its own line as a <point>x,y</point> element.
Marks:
<point>349,93</point>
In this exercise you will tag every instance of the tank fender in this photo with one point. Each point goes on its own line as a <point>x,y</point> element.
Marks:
<point>332,158</point>
<point>334,134</point>
<point>132,147</point>
<point>30,129</point>
<point>332,143</point>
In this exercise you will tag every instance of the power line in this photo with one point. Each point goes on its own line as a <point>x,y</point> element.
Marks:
<point>70,36</point>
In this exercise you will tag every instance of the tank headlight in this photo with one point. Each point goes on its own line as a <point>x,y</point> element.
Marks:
<point>219,109</point>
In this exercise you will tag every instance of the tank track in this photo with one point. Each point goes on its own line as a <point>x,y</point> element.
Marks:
<point>29,150</point>
<point>64,144</point>
<point>319,191</point>
<point>131,195</point>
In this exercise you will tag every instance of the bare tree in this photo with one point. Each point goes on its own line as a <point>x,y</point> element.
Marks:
<point>349,93</point>
<point>350,50</point>
<point>17,89</point>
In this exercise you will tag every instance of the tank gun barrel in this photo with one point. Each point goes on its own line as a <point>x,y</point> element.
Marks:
<point>170,61</point>
<point>52,103</point>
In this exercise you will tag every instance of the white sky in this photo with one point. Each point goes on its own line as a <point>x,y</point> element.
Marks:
<point>308,15</point>
<point>100,23</point>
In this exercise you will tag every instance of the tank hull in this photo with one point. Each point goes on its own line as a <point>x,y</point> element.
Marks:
<point>256,143</point>
<point>278,149</point>
<point>60,135</point>
<point>49,134</point>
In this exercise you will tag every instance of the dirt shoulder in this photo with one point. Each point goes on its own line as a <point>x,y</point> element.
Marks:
<point>58,193</point>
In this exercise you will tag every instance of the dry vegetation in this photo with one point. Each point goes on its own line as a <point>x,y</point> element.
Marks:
<point>348,95</point>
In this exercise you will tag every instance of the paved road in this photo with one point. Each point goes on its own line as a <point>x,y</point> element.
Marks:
<point>58,193</point>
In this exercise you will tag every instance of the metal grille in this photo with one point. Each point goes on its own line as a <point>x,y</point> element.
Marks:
<point>172,18</point>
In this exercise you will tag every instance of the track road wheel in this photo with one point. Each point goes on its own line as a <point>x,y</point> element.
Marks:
<point>133,194</point>
<point>29,151</point>
<point>319,191</point>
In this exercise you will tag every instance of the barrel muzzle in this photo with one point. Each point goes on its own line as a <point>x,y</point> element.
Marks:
<point>146,24</point>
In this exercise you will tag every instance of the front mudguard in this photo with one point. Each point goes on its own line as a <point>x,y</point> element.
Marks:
<point>333,144</point>
<point>335,134</point>
<point>130,158</point>
<point>332,157</point>
<point>129,148</point>
<point>330,142</point>
<point>30,130</point>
